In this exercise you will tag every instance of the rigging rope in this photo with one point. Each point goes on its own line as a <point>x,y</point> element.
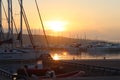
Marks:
<point>42,23</point>
<point>4,11</point>
<point>29,32</point>
<point>5,15</point>
<point>27,26</point>
<point>7,18</point>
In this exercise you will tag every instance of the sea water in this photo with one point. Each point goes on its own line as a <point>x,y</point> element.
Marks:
<point>13,66</point>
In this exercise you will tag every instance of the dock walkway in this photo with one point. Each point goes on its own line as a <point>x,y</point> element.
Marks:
<point>111,63</point>
<point>91,78</point>
<point>103,67</point>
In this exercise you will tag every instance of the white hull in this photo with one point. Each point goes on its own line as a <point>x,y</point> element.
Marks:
<point>20,55</point>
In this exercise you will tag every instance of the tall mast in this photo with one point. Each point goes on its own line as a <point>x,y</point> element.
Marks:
<point>9,19</point>
<point>1,31</point>
<point>11,11</point>
<point>0,14</point>
<point>21,20</point>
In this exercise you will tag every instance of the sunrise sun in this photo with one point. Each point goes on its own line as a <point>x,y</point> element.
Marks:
<point>56,26</point>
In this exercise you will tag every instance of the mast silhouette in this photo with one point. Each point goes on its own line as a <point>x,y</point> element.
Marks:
<point>8,36</point>
<point>1,29</point>
<point>0,13</point>
<point>21,23</point>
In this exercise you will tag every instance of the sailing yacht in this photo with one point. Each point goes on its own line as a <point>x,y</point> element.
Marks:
<point>9,52</point>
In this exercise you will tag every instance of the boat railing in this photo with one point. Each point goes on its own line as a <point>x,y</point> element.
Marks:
<point>5,74</point>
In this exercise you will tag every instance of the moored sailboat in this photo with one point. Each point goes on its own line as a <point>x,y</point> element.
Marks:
<point>8,50</point>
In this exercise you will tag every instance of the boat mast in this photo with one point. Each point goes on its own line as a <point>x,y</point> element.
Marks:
<point>9,19</point>
<point>1,29</point>
<point>21,20</point>
<point>11,11</point>
<point>0,13</point>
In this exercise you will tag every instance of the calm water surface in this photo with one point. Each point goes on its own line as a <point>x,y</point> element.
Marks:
<point>13,66</point>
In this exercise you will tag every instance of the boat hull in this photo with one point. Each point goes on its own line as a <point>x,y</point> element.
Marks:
<point>20,55</point>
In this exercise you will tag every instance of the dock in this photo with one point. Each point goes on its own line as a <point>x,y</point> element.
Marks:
<point>92,78</point>
<point>111,63</point>
<point>94,69</point>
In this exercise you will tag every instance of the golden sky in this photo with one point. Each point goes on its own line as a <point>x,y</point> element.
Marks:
<point>98,19</point>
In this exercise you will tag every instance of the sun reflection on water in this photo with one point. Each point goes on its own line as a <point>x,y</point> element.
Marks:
<point>81,56</point>
<point>55,56</point>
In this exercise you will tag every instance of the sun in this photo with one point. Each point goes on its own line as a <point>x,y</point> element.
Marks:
<point>56,26</point>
